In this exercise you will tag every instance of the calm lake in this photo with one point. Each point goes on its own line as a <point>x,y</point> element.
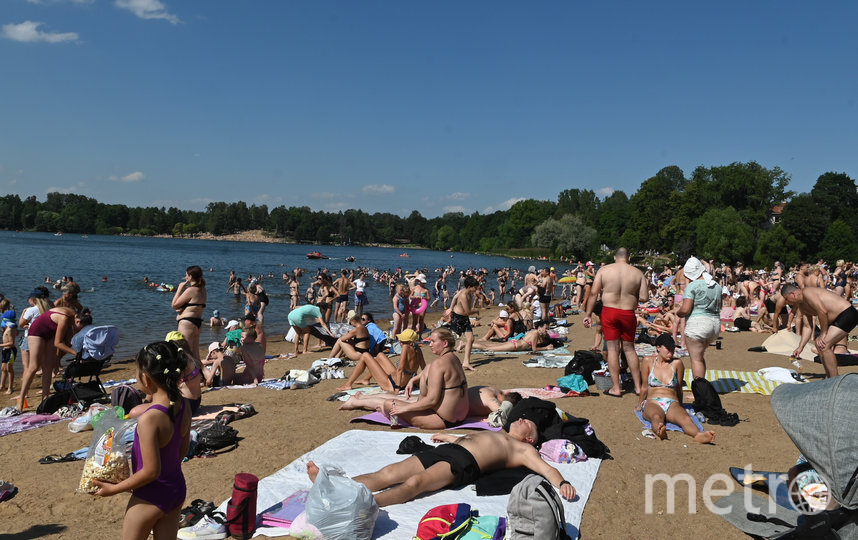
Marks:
<point>144,315</point>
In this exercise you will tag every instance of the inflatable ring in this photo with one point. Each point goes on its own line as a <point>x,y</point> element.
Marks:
<point>419,305</point>
<point>652,310</point>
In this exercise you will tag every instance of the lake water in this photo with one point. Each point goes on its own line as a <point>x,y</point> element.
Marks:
<point>144,315</point>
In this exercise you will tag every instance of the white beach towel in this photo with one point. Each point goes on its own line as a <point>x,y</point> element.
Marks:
<point>359,452</point>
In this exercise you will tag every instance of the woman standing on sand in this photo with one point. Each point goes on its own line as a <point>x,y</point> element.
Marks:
<point>189,303</point>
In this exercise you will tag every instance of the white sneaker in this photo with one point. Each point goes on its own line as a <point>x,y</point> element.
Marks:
<point>209,527</point>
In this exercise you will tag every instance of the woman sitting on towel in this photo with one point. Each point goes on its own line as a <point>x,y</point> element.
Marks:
<point>535,340</point>
<point>662,401</point>
<point>391,377</point>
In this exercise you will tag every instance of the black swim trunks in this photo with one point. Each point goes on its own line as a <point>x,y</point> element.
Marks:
<point>460,324</point>
<point>847,320</point>
<point>462,464</point>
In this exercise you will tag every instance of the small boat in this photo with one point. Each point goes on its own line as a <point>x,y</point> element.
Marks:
<point>403,254</point>
<point>350,259</point>
<point>316,255</point>
<point>58,233</point>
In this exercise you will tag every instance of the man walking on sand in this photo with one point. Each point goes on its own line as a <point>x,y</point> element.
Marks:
<point>836,317</point>
<point>621,286</point>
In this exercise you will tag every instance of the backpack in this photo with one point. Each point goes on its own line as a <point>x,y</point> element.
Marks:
<point>126,396</point>
<point>535,511</point>
<point>52,403</point>
<point>216,437</point>
<point>707,401</point>
<point>486,528</point>
<point>445,522</point>
<point>584,363</point>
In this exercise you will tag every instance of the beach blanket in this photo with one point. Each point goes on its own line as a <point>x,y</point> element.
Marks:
<point>111,383</point>
<point>541,393</point>
<point>785,342</point>
<point>548,361</point>
<point>360,452</point>
<point>559,351</point>
<point>467,423</point>
<point>344,395</point>
<point>671,426</point>
<point>26,422</point>
<point>745,382</point>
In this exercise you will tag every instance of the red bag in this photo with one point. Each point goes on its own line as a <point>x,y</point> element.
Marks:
<point>447,521</point>
<point>241,509</point>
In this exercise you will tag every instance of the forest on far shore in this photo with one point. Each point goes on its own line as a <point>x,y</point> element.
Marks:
<point>736,212</point>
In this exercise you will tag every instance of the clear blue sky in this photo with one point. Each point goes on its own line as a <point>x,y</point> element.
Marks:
<point>435,106</point>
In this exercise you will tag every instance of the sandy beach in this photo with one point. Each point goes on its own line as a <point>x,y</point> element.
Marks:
<point>292,422</point>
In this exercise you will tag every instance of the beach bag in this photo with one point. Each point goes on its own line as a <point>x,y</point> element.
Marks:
<point>535,511</point>
<point>126,396</point>
<point>241,508</point>
<point>580,432</point>
<point>584,363</point>
<point>339,507</point>
<point>445,522</point>
<point>52,403</point>
<point>485,528</point>
<point>708,402</point>
<point>216,437</point>
<point>107,459</point>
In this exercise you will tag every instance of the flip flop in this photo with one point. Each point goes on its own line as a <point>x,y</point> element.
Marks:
<point>56,458</point>
<point>192,514</point>
<point>612,395</point>
<point>334,397</point>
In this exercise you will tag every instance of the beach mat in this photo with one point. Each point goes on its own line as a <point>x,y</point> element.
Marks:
<point>745,382</point>
<point>26,422</point>
<point>558,351</point>
<point>541,393</point>
<point>467,423</point>
<point>784,343</point>
<point>768,521</point>
<point>671,426</point>
<point>360,452</point>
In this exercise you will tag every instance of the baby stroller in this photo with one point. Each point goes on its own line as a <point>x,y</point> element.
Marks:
<point>99,343</point>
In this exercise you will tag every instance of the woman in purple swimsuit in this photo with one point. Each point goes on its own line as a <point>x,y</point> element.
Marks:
<point>161,439</point>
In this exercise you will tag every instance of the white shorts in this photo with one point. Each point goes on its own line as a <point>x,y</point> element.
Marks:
<point>703,328</point>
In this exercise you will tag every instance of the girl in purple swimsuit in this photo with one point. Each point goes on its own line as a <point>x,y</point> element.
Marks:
<point>161,439</point>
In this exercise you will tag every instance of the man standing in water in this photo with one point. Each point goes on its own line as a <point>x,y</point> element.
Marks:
<point>621,286</point>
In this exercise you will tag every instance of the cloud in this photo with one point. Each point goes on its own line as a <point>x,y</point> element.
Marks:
<point>70,189</point>
<point>604,192</point>
<point>458,196</point>
<point>506,205</point>
<point>28,32</point>
<point>456,208</point>
<point>147,9</point>
<point>133,177</point>
<point>378,188</point>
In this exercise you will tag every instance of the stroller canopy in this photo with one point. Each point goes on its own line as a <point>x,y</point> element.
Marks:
<point>821,418</point>
<point>99,342</point>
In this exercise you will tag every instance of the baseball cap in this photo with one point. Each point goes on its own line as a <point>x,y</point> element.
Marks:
<point>174,336</point>
<point>231,324</point>
<point>407,335</point>
<point>36,294</point>
<point>216,313</point>
<point>503,314</point>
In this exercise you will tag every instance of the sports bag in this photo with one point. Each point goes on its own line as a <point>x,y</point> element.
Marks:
<point>445,522</point>
<point>535,511</point>
<point>584,363</point>
<point>708,402</point>
<point>216,437</point>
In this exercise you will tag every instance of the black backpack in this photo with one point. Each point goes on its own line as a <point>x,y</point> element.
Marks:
<point>584,363</point>
<point>216,437</point>
<point>580,432</point>
<point>708,402</point>
<point>52,403</point>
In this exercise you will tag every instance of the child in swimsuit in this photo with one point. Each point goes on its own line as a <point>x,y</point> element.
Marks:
<point>163,436</point>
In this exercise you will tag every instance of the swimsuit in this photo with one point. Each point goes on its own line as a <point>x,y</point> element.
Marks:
<point>196,321</point>
<point>44,326</point>
<point>663,402</point>
<point>167,492</point>
<point>355,341</point>
<point>460,324</point>
<point>846,321</point>
<point>618,324</point>
<point>448,424</point>
<point>543,298</point>
<point>8,355</point>
<point>464,467</point>
<point>655,382</point>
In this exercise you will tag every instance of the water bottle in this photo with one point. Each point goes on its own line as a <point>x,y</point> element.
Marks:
<point>700,416</point>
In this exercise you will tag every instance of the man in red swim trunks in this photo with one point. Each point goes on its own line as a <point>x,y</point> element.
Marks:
<point>621,286</point>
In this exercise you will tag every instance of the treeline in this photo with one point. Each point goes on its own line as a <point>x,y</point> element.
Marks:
<point>737,212</point>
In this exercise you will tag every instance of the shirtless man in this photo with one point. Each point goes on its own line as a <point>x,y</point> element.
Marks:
<point>342,285</point>
<point>460,313</point>
<point>459,463</point>
<point>836,317</point>
<point>621,286</point>
<point>253,356</point>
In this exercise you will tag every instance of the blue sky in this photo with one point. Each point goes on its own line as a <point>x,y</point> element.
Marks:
<point>435,106</point>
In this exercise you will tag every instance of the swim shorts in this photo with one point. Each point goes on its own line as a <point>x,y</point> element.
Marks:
<point>460,324</point>
<point>618,324</point>
<point>342,298</point>
<point>8,355</point>
<point>847,320</point>
<point>462,464</point>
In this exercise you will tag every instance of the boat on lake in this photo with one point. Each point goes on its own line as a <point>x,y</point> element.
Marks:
<point>316,255</point>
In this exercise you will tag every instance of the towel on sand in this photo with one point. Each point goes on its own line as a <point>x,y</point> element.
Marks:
<point>670,426</point>
<point>467,423</point>
<point>360,452</point>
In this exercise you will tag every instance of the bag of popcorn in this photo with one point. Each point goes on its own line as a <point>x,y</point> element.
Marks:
<point>107,459</point>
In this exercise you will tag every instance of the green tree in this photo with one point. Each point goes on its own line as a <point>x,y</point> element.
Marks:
<point>446,238</point>
<point>838,195</point>
<point>568,236</point>
<point>522,219</point>
<point>580,202</point>
<point>613,218</point>
<point>721,235</point>
<point>839,243</point>
<point>650,209</point>
<point>777,244</point>
<point>807,221</point>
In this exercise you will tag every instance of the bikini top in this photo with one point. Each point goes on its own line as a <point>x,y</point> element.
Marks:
<point>191,304</point>
<point>655,382</point>
<point>461,385</point>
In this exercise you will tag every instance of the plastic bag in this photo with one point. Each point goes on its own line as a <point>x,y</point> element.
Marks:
<point>107,459</point>
<point>340,507</point>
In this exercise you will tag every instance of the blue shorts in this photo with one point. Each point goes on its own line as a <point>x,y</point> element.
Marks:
<point>24,345</point>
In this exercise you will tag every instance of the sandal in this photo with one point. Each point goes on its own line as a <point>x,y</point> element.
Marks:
<point>190,515</point>
<point>56,458</point>
<point>7,491</point>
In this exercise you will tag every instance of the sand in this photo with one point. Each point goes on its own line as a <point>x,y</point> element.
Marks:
<point>292,422</point>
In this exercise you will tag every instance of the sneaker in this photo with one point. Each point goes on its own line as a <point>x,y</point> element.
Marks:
<point>209,527</point>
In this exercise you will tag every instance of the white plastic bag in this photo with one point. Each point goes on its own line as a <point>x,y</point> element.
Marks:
<point>340,507</point>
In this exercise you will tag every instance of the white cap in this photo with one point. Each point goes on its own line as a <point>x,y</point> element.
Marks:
<point>503,314</point>
<point>232,324</point>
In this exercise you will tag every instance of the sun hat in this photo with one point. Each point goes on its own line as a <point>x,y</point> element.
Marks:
<point>407,335</point>
<point>693,268</point>
<point>503,314</point>
<point>232,323</point>
<point>213,346</point>
<point>174,336</point>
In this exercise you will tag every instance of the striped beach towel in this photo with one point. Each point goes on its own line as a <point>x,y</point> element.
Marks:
<point>746,382</point>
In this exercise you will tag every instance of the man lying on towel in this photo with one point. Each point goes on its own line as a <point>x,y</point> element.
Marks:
<point>459,463</point>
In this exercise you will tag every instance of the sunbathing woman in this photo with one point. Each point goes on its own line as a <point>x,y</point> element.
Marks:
<point>662,401</point>
<point>391,378</point>
<point>354,343</point>
<point>535,340</point>
<point>443,400</point>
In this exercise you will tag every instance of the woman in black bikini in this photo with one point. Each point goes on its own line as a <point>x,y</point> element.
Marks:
<point>354,343</point>
<point>189,303</point>
<point>391,377</point>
